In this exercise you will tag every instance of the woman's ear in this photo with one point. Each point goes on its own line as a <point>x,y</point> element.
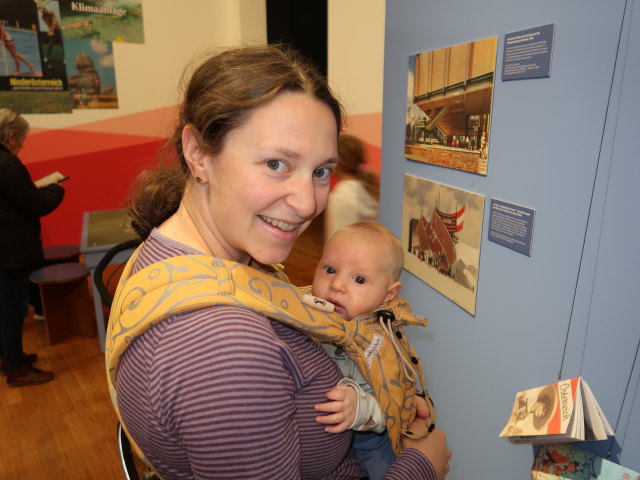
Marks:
<point>393,291</point>
<point>194,155</point>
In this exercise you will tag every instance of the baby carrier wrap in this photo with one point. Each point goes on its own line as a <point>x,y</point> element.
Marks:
<point>184,283</point>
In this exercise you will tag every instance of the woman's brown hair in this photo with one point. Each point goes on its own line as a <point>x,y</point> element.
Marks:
<point>219,94</point>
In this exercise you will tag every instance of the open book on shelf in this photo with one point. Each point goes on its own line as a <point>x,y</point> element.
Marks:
<point>55,177</point>
<point>572,463</point>
<point>565,411</point>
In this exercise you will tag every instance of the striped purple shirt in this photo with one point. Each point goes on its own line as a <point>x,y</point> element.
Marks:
<point>226,393</point>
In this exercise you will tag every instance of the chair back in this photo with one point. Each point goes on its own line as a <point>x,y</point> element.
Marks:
<point>98,278</point>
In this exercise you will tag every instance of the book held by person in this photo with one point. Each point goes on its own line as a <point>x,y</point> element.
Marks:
<point>55,177</point>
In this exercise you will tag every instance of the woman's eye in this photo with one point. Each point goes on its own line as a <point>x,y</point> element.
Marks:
<point>330,270</point>
<point>276,165</point>
<point>360,279</point>
<point>323,172</point>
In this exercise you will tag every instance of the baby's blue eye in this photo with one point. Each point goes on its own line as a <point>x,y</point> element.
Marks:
<point>330,270</point>
<point>323,172</point>
<point>275,164</point>
<point>360,279</point>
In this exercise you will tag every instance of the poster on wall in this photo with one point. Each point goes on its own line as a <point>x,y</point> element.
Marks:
<point>92,78</point>
<point>102,20</point>
<point>449,100</point>
<point>441,233</point>
<point>32,69</point>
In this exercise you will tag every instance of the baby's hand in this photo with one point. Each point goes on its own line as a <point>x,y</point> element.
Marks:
<point>341,410</point>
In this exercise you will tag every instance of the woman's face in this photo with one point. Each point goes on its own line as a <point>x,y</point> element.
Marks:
<point>271,179</point>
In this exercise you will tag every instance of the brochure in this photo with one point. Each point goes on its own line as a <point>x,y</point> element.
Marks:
<point>565,411</point>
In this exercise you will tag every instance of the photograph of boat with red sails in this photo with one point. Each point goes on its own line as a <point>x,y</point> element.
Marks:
<point>442,229</point>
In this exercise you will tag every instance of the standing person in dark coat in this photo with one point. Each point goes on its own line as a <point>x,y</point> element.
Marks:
<point>21,206</point>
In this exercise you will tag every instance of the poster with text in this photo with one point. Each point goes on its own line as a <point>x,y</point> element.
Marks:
<point>103,20</point>
<point>449,99</point>
<point>32,69</point>
<point>92,77</point>
<point>441,234</point>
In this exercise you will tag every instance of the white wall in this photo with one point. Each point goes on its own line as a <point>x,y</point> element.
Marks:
<point>176,32</point>
<point>356,53</point>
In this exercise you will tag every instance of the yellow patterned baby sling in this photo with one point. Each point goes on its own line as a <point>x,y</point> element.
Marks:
<point>184,283</point>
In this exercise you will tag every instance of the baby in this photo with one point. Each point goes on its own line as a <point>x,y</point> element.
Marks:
<point>358,272</point>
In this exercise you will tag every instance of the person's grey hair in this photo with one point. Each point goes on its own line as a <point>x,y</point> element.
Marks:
<point>12,122</point>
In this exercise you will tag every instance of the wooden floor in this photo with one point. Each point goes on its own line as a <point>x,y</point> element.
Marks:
<point>65,429</point>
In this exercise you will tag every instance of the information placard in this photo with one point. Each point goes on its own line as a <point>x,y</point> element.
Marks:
<point>511,225</point>
<point>527,53</point>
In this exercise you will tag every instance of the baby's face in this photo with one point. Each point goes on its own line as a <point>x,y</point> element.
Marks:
<point>354,273</point>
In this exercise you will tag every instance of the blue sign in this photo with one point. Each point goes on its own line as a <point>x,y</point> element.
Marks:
<point>527,53</point>
<point>511,226</point>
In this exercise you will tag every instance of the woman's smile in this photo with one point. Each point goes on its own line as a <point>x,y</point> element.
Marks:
<point>287,227</point>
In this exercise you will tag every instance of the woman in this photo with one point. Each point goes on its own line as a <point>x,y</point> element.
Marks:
<point>10,44</point>
<point>223,391</point>
<point>21,206</point>
<point>355,197</point>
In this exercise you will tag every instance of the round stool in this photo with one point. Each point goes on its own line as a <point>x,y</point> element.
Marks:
<point>66,300</point>
<point>61,254</point>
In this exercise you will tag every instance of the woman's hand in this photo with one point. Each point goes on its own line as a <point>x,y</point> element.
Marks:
<point>434,447</point>
<point>341,410</point>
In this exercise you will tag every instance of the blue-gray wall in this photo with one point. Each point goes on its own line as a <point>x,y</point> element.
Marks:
<point>568,147</point>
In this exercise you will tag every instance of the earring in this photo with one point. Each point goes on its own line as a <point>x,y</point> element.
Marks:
<point>199,180</point>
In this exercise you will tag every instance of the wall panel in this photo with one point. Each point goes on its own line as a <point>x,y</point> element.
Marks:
<point>545,153</point>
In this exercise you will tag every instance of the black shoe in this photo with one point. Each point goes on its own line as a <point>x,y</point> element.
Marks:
<point>28,359</point>
<point>28,375</point>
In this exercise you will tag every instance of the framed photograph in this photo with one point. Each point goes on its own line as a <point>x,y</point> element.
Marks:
<point>441,234</point>
<point>449,99</point>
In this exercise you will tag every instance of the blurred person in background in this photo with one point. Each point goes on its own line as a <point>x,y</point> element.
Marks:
<point>355,198</point>
<point>21,206</point>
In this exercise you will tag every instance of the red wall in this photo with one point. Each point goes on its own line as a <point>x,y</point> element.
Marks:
<point>102,158</point>
<point>97,181</point>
